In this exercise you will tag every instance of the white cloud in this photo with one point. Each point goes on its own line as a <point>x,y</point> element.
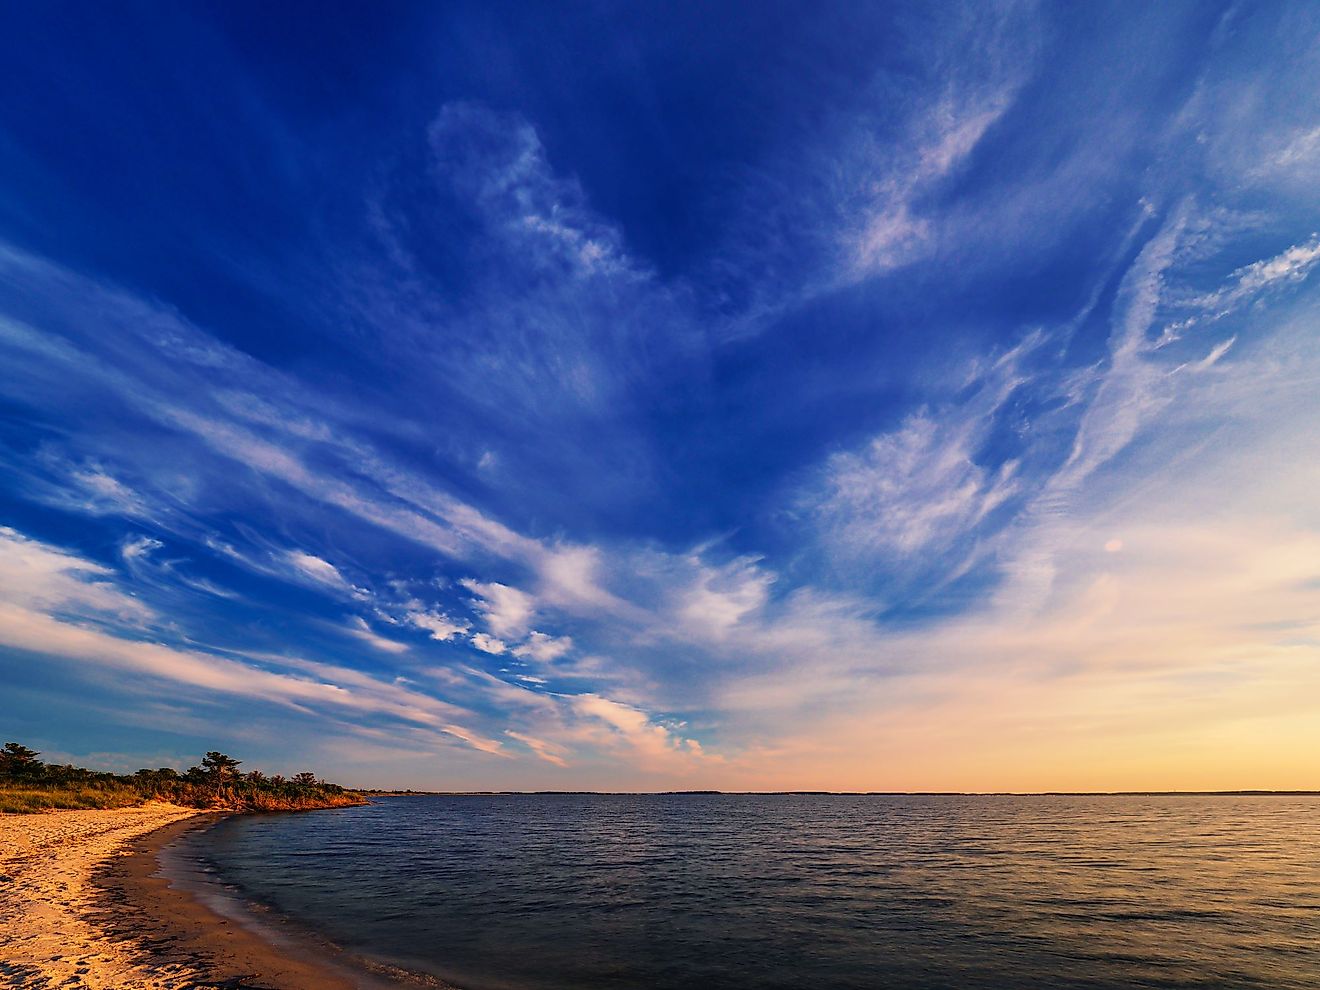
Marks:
<point>135,548</point>
<point>38,576</point>
<point>1216,352</point>
<point>543,648</point>
<point>488,644</point>
<point>107,494</point>
<point>892,233</point>
<point>652,741</point>
<point>316,570</point>
<point>476,741</point>
<point>85,486</point>
<point>497,160</point>
<point>164,577</point>
<point>912,490</point>
<point>719,598</point>
<point>1133,388</point>
<point>438,624</point>
<point>358,628</point>
<point>886,225</point>
<point>547,751</point>
<point>570,576</point>
<point>507,611</point>
<point>1247,284</point>
<point>1302,148</point>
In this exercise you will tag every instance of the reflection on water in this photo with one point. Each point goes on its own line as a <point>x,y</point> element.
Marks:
<point>804,891</point>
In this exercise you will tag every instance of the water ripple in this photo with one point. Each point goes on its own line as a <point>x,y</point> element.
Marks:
<point>570,891</point>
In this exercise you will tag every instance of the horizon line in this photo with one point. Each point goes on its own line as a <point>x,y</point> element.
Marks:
<point>1241,792</point>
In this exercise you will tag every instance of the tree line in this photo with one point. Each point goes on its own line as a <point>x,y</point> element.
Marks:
<point>217,783</point>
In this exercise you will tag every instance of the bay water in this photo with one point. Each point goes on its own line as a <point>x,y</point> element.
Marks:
<point>832,892</point>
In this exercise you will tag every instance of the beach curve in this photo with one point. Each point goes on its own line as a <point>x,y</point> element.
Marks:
<point>84,905</point>
<point>51,909</point>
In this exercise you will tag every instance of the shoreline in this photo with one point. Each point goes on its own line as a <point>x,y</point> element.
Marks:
<point>104,900</point>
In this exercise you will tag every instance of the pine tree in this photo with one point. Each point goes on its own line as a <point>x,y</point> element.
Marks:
<point>18,761</point>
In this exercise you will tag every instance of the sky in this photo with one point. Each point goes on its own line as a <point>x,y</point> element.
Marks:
<point>664,396</point>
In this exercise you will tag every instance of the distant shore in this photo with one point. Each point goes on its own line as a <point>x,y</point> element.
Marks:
<point>85,901</point>
<point>971,794</point>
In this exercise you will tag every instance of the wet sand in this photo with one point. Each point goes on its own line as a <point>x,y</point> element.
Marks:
<point>83,905</point>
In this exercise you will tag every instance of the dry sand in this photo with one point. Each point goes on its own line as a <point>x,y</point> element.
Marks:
<point>82,906</point>
<point>49,906</point>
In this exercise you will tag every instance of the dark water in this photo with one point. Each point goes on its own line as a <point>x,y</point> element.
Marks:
<point>803,892</point>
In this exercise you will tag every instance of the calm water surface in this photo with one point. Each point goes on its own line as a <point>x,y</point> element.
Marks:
<point>802,892</point>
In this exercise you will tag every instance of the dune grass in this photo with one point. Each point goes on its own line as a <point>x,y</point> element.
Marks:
<point>25,800</point>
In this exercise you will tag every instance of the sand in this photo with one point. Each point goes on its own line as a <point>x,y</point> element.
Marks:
<point>49,933</point>
<point>82,905</point>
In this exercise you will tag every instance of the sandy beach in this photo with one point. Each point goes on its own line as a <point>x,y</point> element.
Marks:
<point>82,906</point>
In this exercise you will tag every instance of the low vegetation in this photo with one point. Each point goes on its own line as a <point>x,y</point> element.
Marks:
<point>27,785</point>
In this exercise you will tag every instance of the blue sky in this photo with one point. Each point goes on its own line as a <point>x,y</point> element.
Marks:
<point>664,395</point>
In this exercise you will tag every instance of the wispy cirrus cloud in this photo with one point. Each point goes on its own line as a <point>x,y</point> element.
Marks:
<point>657,745</point>
<point>1245,286</point>
<point>309,567</point>
<point>927,439</point>
<point>39,576</point>
<point>359,629</point>
<point>735,609</point>
<point>61,605</point>
<point>544,750</point>
<point>925,487</point>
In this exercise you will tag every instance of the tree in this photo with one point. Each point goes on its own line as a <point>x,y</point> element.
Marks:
<point>18,761</point>
<point>305,779</point>
<point>219,769</point>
